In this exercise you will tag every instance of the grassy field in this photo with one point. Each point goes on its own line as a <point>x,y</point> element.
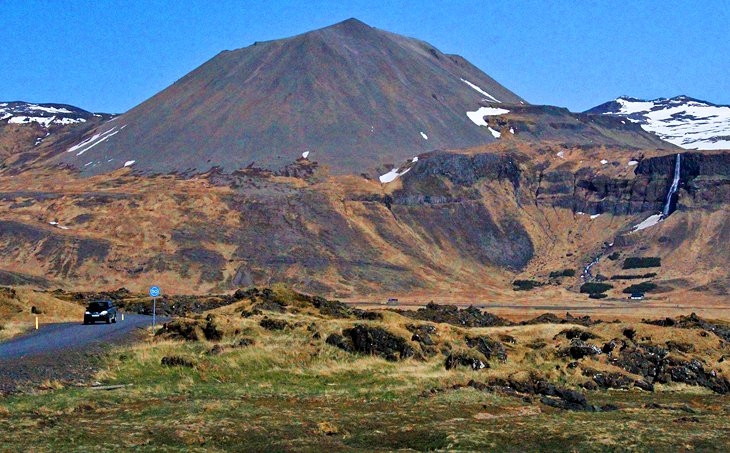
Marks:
<point>291,391</point>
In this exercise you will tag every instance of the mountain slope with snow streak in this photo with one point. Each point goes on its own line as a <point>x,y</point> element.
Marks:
<point>683,121</point>
<point>361,99</point>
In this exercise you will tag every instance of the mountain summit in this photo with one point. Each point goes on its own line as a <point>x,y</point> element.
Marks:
<point>684,121</point>
<point>350,96</point>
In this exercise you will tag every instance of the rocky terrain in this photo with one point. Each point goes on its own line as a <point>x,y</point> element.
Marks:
<point>315,373</point>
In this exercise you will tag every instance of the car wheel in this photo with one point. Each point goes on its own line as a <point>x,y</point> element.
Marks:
<point>115,319</point>
<point>108,320</point>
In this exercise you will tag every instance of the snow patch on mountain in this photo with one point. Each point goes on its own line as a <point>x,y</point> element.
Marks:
<point>395,173</point>
<point>475,87</point>
<point>94,140</point>
<point>42,114</point>
<point>477,117</point>
<point>392,175</point>
<point>683,121</point>
<point>648,222</point>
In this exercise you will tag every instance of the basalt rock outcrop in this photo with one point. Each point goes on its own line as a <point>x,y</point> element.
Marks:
<point>372,341</point>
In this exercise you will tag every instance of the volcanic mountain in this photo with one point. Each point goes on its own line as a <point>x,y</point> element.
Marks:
<point>352,97</point>
<point>682,120</point>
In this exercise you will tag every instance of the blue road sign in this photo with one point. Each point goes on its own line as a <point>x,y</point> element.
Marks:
<point>154,291</point>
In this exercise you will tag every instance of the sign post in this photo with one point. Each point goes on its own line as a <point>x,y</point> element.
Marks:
<point>154,293</point>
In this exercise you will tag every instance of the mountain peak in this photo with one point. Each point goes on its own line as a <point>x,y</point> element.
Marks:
<point>355,98</point>
<point>351,23</point>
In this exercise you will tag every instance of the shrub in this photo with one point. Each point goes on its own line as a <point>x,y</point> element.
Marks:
<point>644,287</point>
<point>563,273</point>
<point>637,262</point>
<point>633,277</point>
<point>525,285</point>
<point>595,288</point>
<point>598,296</point>
<point>614,256</point>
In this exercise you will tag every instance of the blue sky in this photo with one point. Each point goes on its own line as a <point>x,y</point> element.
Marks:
<point>111,55</point>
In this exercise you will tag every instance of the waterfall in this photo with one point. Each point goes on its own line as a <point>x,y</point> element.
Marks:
<point>673,188</point>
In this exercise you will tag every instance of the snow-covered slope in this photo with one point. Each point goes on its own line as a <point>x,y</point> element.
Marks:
<point>682,120</point>
<point>44,114</point>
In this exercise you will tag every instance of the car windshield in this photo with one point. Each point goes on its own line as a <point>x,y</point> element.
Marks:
<point>98,306</point>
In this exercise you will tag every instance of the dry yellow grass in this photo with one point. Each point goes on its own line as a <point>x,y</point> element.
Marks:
<point>16,314</point>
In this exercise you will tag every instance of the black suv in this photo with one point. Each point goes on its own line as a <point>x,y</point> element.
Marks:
<point>100,311</point>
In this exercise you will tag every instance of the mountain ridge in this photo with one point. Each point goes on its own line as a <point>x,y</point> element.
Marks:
<point>681,120</point>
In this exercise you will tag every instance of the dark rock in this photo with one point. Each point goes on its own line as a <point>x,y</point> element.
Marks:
<point>249,313</point>
<point>422,333</point>
<point>378,341</point>
<point>243,342</point>
<point>654,365</point>
<point>678,346</point>
<point>579,349</point>
<point>450,314</point>
<point>332,309</point>
<point>694,322</point>
<point>545,318</point>
<point>550,318</point>
<point>507,339</point>
<point>609,347</point>
<point>687,420</point>
<point>589,385</point>
<point>607,380</point>
<point>573,333</point>
<point>274,324</point>
<point>341,342</point>
<point>211,331</point>
<point>216,350</point>
<point>643,385</point>
<point>456,359</point>
<point>367,315</point>
<point>176,361</point>
<point>269,305</point>
<point>181,329</point>
<point>644,361</point>
<point>489,347</point>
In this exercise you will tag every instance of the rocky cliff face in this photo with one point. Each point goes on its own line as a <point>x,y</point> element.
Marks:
<point>703,178</point>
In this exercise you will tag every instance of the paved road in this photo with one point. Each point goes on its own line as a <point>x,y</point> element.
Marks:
<point>71,336</point>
